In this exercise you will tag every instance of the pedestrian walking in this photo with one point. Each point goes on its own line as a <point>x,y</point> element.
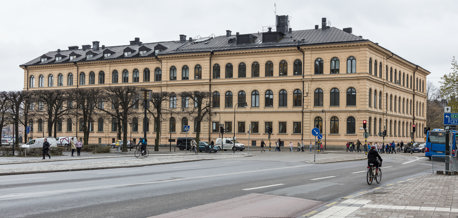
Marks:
<point>270,146</point>
<point>358,146</point>
<point>278,145</point>
<point>79,145</point>
<point>348,146</point>
<point>72,146</point>
<point>291,146</point>
<point>46,146</point>
<point>262,145</point>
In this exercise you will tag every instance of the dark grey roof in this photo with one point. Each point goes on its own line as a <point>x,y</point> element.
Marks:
<point>219,43</point>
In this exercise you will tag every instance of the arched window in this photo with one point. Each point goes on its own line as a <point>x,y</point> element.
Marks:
<point>255,69</point>
<point>173,101</point>
<point>173,73</point>
<point>282,98</point>
<point>297,67</point>
<point>134,124</point>
<point>335,97</point>
<point>82,79</point>
<point>380,100</point>
<point>283,68</point>
<point>125,76</point>
<point>242,70</point>
<point>70,79</point>
<point>375,67</point>
<point>318,123</point>
<point>228,99</point>
<point>318,97</point>
<point>215,99</point>
<point>157,74</point>
<point>216,71</point>
<point>370,97</point>
<point>334,125</point>
<point>50,80</point>
<point>370,66</point>
<point>32,82</point>
<point>318,66</point>
<point>146,75</point>
<point>269,98</point>
<point>101,77</point>
<point>91,78</point>
<point>269,69</point>
<point>172,124</point>
<point>335,65</point>
<point>184,122</point>
<point>375,99</point>
<point>185,73</point>
<point>135,76</point>
<point>255,98</point>
<point>198,72</point>
<point>41,81</point>
<point>297,98</point>
<point>351,96</point>
<point>351,125</point>
<point>229,71</point>
<point>351,64</point>
<point>69,125</point>
<point>60,80</point>
<point>114,76</point>
<point>380,70</point>
<point>241,99</point>
<point>100,125</point>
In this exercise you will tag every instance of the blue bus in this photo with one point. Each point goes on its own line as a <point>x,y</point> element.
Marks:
<point>435,143</point>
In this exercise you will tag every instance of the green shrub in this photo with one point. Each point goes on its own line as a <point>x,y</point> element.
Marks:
<point>38,152</point>
<point>96,148</point>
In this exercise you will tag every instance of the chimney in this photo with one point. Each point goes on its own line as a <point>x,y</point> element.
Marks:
<point>282,23</point>
<point>182,38</point>
<point>58,50</point>
<point>347,30</point>
<point>290,30</point>
<point>317,26</point>
<point>95,45</point>
<point>72,47</point>
<point>103,46</point>
<point>136,41</point>
<point>270,29</point>
<point>228,33</point>
<point>190,39</point>
<point>86,47</point>
<point>323,23</point>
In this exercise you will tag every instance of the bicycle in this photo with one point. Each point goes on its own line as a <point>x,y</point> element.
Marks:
<point>139,153</point>
<point>373,173</point>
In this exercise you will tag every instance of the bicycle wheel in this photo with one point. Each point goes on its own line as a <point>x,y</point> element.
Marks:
<point>378,177</point>
<point>146,153</point>
<point>369,176</point>
<point>137,153</point>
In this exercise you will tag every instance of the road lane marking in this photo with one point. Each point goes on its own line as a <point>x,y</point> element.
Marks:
<point>260,187</point>
<point>320,178</point>
<point>330,204</point>
<point>387,167</point>
<point>362,171</point>
<point>411,161</point>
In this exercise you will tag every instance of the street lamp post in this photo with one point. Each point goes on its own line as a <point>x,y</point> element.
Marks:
<point>145,105</point>
<point>324,128</point>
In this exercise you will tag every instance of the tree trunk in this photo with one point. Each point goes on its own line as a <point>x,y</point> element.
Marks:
<point>158,132</point>
<point>124,134</point>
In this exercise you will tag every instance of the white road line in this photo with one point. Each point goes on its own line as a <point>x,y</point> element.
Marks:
<point>416,158</point>
<point>362,171</point>
<point>387,167</point>
<point>260,187</point>
<point>327,177</point>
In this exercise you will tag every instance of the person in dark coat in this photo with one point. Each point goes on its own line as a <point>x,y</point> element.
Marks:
<point>46,146</point>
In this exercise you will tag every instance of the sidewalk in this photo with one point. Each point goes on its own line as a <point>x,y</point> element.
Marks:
<point>425,196</point>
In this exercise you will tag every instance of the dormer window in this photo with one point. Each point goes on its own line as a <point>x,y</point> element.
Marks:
<point>107,55</point>
<point>72,57</point>
<point>58,58</point>
<point>90,56</point>
<point>127,53</point>
<point>43,60</point>
<point>143,52</point>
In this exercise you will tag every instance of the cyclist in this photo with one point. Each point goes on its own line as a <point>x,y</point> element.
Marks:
<point>374,158</point>
<point>142,143</point>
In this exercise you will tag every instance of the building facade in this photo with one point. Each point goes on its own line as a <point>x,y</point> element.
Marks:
<point>291,81</point>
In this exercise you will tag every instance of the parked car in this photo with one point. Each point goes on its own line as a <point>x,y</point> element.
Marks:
<point>38,143</point>
<point>228,143</point>
<point>184,143</point>
<point>205,147</point>
<point>119,144</point>
<point>6,142</point>
<point>65,140</point>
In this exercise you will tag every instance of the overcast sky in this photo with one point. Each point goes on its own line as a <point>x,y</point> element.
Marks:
<point>423,32</point>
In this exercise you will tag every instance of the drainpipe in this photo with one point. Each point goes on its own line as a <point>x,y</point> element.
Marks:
<point>210,91</point>
<point>303,94</point>
<point>413,102</point>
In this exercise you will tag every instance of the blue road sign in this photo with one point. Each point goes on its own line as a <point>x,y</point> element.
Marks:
<point>450,118</point>
<point>27,130</point>
<point>186,128</point>
<point>320,136</point>
<point>315,131</point>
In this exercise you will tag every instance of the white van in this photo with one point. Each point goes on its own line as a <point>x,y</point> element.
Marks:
<point>228,143</point>
<point>38,143</point>
<point>65,140</point>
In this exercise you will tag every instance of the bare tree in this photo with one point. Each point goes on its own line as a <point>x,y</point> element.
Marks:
<point>16,100</point>
<point>123,100</point>
<point>157,99</point>
<point>54,101</point>
<point>86,101</point>
<point>201,102</point>
<point>434,118</point>
<point>4,111</point>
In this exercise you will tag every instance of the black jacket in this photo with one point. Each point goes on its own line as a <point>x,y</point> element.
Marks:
<point>46,146</point>
<point>373,155</point>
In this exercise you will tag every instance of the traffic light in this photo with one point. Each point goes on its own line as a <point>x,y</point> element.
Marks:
<point>364,124</point>
<point>413,127</point>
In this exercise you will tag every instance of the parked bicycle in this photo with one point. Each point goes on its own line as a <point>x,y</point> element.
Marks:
<point>373,173</point>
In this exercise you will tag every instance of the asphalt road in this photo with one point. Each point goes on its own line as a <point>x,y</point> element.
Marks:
<point>154,190</point>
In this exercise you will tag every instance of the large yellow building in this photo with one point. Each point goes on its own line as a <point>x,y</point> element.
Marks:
<point>289,80</point>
